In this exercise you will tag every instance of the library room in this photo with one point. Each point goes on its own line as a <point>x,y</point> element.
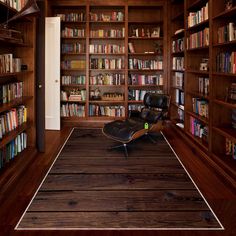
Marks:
<point>118,117</point>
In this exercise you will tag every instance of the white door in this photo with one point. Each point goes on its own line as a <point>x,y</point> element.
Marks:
<point>52,73</point>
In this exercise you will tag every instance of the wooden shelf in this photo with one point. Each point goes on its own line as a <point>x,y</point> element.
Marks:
<point>106,102</point>
<point>199,141</point>
<point>107,54</point>
<point>224,74</point>
<point>226,13</point>
<point>145,22</point>
<point>145,38</point>
<point>180,53</point>
<point>107,22</point>
<point>198,49</point>
<point>177,87</point>
<point>197,26</point>
<point>73,38</point>
<point>178,16</point>
<point>135,102</point>
<point>107,38</point>
<point>226,44</point>
<point>104,70</point>
<point>73,85</point>
<point>73,22</point>
<point>226,104</point>
<point>199,72</point>
<point>178,105</point>
<point>13,134</point>
<point>196,4</point>
<point>226,131</point>
<point>197,94</point>
<point>106,118</point>
<point>74,53</point>
<point>14,103</point>
<point>107,85</point>
<point>70,101</point>
<point>16,73</point>
<point>144,54</point>
<point>144,70</point>
<point>144,86</point>
<point>178,35</point>
<point>173,70</point>
<point>198,117</point>
<point>67,70</point>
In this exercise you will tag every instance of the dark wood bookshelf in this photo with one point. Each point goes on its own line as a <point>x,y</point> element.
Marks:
<point>145,86</point>
<point>23,72</point>
<point>107,38</point>
<point>108,54</point>
<point>225,104</point>
<point>226,44</point>
<point>74,53</point>
<point>199,72</point>
<point>197,94</point>
<point>195,5</point>
<point>178,106</point>
<point>199,141</point>
<point>226,13</point>
<point>13,134</point>
<point>224,74</point>
<point>198,26</point>
<point>134,101</point>
<point>70,101</point>
<point>73,85</point>
<point>198,117</point>
<point>178,35</point>
<point>146,38</point>
<point>177,87</point>
<point>227,131</point>
<point>197,49</point>
<point>107,22</point>
<point>178,16</point>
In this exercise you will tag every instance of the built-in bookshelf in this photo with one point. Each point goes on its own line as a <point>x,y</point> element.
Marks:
<point>202,65</point>
<point>17,86</point>
<point>111,55</point>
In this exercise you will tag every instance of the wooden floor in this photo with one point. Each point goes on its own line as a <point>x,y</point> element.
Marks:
<point>17,188</point>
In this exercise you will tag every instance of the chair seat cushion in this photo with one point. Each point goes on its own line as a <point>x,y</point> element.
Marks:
<point>123,130</point>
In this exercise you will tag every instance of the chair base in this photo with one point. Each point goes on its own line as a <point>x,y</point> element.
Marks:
<point>124,145</point>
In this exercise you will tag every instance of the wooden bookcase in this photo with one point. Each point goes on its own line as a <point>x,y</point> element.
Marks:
<point>17,80</point>
<point>115,78</point>
<point>208,78</point>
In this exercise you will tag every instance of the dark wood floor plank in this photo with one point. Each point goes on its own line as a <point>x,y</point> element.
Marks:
<point>201,219</point>
<point>109,165</point>
<point>57,182</point>
<point>162,200</point>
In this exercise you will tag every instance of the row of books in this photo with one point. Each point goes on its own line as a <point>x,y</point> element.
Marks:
<point>11,119</point>
<point>106,48</point>
<point>111,111</point>
<point>9,92</point>
<point>137,79</point>
<point>200,107</point>
<point>230,148</point>
<point>107,17</point>
<point>107,79</point>
<point>73,95</point>
<point>233,116</point>
<point>105,63</point>
<point>198,129</point>
<point>16,4</point>
<point>178,63</point>
<point>178,79</point>
<point>12,149</point>
<point>199,16</point>
<point>178,45</point>
<point>203,85</point>
<point>199,39</point>
<point>226,62</point>
<point>141,64</point>
<point>73,79</point>
<point>8,64</point>
<point>181,115</point>
<point>135,107</point>
<point>138,95</point>
<point>107,33</point>
<point>149,32</point>
<point>68,32</point>
<point>72,16</point>
<point>179,97</point>
<point>73,64</point>
<point>73,48</point>
<point>72,110</point>
<point>226,33</point>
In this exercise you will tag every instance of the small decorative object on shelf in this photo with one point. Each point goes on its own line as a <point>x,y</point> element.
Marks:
<point>95,94</point>
<point>113,97</point>
<point>156,32</point>
<point>229,4</point>
<point>204,64</point>
<point>231,93</point>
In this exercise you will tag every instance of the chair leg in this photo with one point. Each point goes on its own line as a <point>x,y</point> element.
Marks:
<point>151,138</point>
<point>124,145</point>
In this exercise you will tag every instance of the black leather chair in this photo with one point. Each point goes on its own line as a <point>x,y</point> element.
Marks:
<point>151,117</point>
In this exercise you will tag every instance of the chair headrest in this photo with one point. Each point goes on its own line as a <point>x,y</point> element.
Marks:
<point>156,100</point>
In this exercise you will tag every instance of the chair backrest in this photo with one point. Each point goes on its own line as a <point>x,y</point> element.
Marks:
<point>156,107</point>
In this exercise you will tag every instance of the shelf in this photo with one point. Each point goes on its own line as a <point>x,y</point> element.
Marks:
<point>199,72</point>
<point>13,134</point>
<point>16,73</point>
<point>105,102</point>
<point>224,74</point>
<point>144,70</point>
<point>178,35</point>
<point>226,104</point>
<point>173,70</point>
<point>179,15</point>
<point>226,131</point>
<point>74,54</point>
<point>135,102</point>
<point>180,53</point>
<point>198,48</point>
<point>146,38</point>
<point>72,118</point>
<point>106,118</point>
<point>178,105</point>
<point>73,22</point>
<point>177,87</point>
<point>108,54</point>
<point>145,86</point>
<point>199,141</point>
<point>14,103</point>
<point>226,13</point>
<point>6,7</point>
<point>196,5</point>
<point>11,41</point>
<point>103,38</point>
<point>198,117</point>
<point>70,101</point>
<point>73,38</point>
<point>199,25</point>
<point>73,85</point>
<point>197,94</point>
<point>107,85</point>
<point>104,70</point>
<point>107,22</point>
<point>67,70</point>
<point>225,44</point>
<point>144,54</point>
<point>145,22</point>
<point>178,123</point>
